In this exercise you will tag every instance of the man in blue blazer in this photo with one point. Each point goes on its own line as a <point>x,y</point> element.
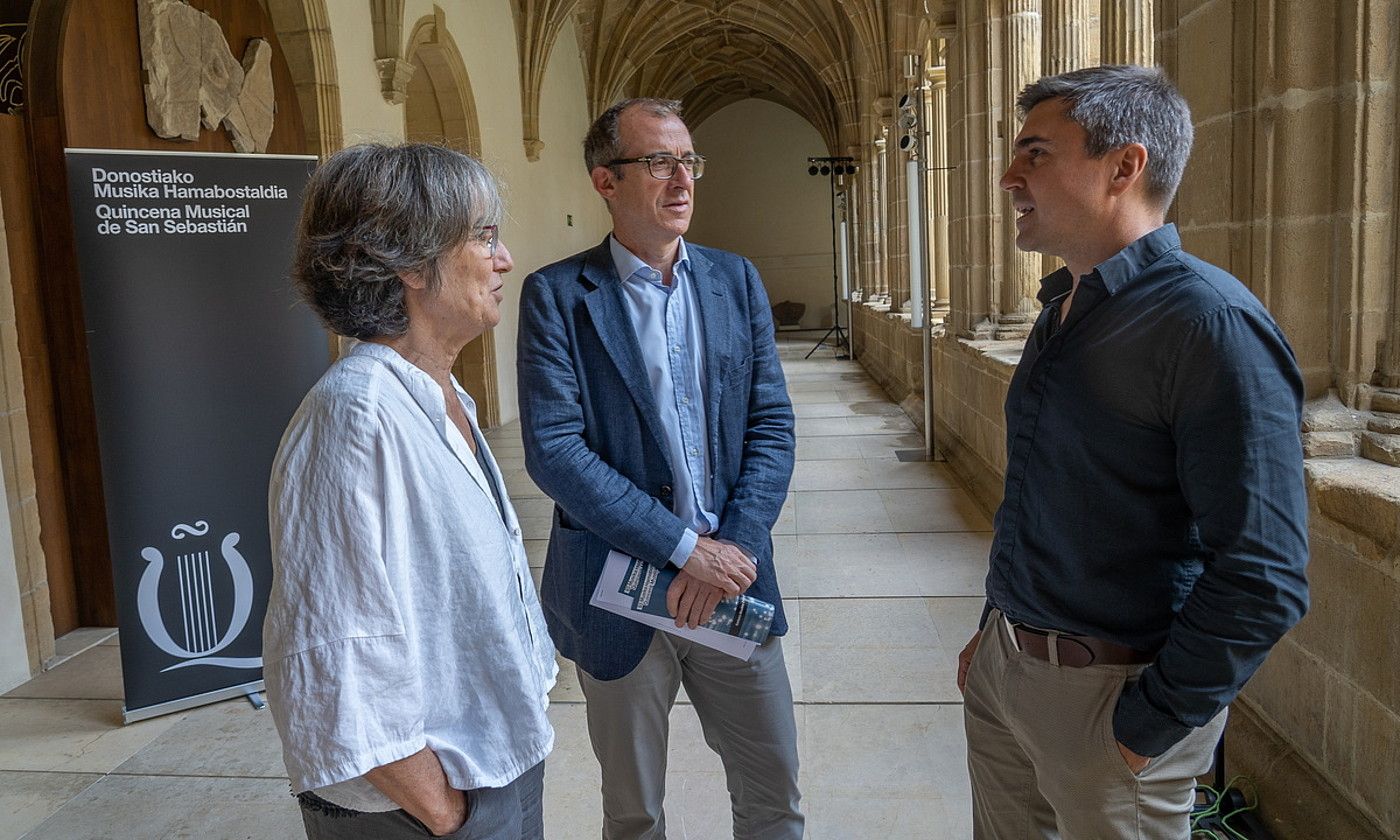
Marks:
<point>655,414</point>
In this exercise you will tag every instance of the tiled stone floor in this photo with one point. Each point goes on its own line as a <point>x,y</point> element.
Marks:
<point>881,562</point>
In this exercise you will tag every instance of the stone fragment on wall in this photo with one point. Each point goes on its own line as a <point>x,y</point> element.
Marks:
<point>249,122</point>
<point>191,77</point>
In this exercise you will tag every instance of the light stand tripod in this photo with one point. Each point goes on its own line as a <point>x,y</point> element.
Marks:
<point>833,167</point>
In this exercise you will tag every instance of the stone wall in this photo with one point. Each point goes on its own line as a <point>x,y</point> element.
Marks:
<point>19,520</point>
<point>891,351</point>
<point>970,382</point>
<point>1292,187</point>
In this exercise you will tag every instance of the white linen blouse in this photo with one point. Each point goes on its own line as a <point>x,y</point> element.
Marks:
<point>402,612</point>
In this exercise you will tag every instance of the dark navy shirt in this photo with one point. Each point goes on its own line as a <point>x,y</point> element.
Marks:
<point>1154,481</point>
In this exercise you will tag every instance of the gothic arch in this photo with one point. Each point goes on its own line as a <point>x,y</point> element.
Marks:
<point>304,31</point>
<point>440,108</point>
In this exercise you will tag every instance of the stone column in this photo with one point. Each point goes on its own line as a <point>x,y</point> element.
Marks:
<point>1066,43</point>
<point>1065,35</point>
<point>937,112</point>
<point>1126,32</point>
<point>881,210</point>
<point>1021,278</point>
<point>973,115</point>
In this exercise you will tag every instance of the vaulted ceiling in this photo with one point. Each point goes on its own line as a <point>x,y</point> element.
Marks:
<point>827,60</point>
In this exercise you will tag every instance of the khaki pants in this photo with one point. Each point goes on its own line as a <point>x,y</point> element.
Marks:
<point>1045,764</point>
<point>745,711</point>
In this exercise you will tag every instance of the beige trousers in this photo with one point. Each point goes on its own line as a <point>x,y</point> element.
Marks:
<point>1044,761</point>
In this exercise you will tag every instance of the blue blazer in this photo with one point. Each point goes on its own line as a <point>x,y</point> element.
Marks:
<point>593,439</point>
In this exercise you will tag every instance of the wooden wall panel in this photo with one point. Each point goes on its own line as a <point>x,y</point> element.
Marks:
<point>83,80</point>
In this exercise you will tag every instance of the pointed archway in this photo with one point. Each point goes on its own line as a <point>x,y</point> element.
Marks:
<point>439,108</point>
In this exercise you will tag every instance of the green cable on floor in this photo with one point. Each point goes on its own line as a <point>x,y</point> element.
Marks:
<point>1209,821</point>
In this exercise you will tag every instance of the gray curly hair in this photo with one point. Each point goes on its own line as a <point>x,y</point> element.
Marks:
<point>374,212</point>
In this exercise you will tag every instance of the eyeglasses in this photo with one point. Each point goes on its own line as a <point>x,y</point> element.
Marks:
<point>491,236</point>
<point>663,167</point>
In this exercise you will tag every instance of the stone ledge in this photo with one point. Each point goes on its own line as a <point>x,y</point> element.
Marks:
<point>1361,495</point>
<point>1006,353</point>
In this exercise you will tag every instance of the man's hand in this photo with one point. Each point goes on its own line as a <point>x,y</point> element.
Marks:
<point>965,660</point>
<point>721,565</point>
<point>691,601</point>
<point>1136,763</point>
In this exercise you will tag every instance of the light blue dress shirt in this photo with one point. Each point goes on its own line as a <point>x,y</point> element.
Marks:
<point>667,321</point>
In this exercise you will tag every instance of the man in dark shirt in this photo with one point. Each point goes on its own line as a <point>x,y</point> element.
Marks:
<point>1152,537</point>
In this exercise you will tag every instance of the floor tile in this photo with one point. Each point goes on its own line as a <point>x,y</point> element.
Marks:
<point>74,642</point>
<point>934,510</point>
<point>885,751</point>
<point>233,738</point>
<point>176,807</point>
<point>891,565</point>
<point>73,736</point>
<point>859,425</point>
<point>27,799</point>
<point>864,650</point>
<point>535,551</point>
<point>94,674</point>
<point>865,474</point>
<point>841,512</point>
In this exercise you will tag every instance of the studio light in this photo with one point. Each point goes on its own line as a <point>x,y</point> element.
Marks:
<point>833,167</point>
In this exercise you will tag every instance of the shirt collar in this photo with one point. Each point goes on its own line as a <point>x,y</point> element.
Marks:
<point>1118,270</point>
<point>424,390</point>
<point>629,265</point>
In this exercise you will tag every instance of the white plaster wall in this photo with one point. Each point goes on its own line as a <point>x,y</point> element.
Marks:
<point>757,199</point>
<point>540,195</point>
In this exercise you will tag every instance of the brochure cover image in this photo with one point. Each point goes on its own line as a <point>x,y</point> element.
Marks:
<point>743,616</point>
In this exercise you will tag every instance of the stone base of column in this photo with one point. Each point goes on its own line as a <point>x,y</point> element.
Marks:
<point>983,330</point>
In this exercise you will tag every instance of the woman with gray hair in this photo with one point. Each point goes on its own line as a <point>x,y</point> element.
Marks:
<point>406,659</point>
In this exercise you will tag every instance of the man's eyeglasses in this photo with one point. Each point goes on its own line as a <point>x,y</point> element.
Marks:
<point>663,167</point>
<point>491,236</point>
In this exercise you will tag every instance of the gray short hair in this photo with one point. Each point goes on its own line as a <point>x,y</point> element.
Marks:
<point>604,139</point>
<point>372,212</point>
<point>1121,104</point>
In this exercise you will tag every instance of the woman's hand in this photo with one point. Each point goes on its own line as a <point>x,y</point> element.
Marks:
<point>418,785</point>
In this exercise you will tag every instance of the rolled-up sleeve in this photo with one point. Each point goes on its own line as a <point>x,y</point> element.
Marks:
<point>341,678</point>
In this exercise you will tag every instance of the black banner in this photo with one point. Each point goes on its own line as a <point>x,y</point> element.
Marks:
<point>200,352</point>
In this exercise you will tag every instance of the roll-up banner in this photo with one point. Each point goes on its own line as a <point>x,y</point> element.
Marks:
<point>200,352</point>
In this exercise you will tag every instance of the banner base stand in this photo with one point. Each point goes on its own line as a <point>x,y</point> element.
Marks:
<point>249,690</point>
<point>255,699</point>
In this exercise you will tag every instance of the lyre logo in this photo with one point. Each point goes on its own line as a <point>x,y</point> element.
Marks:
<point>198,617</point>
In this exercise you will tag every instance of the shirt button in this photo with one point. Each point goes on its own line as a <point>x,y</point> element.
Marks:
<point>694,451</point>
<point>685,400</point>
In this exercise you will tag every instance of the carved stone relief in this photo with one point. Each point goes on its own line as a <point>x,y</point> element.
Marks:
<point>191,77</point>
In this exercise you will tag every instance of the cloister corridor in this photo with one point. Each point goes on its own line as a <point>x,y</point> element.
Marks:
<point>881,562</point>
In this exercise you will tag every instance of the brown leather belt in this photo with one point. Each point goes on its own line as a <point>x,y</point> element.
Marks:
<point>1075,651</point>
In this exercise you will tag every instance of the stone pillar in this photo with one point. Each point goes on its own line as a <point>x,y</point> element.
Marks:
<point>1066,42</point>
<point>881,209</point>
<point>1126,32</point>
<point>937,111</point>
<point>973,100</point>
<point>1021,278</point>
